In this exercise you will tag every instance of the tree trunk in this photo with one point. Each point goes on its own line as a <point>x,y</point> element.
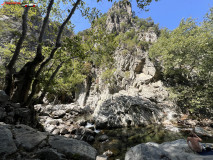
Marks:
<point>24,78</point>
<point>57,45</point>
<point>10,67</point>
<point>49,82</point>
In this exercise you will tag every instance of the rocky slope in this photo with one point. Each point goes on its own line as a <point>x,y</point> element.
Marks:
<point>136,96</point>
<point>20,141</point>
<point>23,142</point>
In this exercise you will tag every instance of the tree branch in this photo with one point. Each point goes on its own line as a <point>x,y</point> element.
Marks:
<point>57,44</point>
<point>40,39</point>
<point>9,67</point>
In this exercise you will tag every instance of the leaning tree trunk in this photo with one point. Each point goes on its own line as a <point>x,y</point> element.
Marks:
<point>24,77</point>
<point>49,82</point>
<point>10,67</point>
<point>57,45</point>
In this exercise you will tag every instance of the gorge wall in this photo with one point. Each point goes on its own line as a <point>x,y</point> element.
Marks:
<point>135,94</point>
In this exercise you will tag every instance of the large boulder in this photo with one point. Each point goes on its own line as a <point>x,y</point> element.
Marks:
<point>27,137</point>
<point>72,147</point>
<point>3,96</point>
<point>124,110</point>
<point>203,132</point>
<point>23,142</point>
<point>174,150</point>
<point>7,145</point>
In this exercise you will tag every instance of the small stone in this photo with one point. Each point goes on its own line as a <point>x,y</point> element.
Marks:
<point>2,114</point>
<point>68,135</point>
<point>9,119</point>
<point>90,139</point>
<point>59,114</point>
<point>64,131</point>
<point>103,138</point>
<point>56,131</point>
<point>82,122</point>
<point>108,153</point>
<point>53,122</point>
<point>50,128</point>
<point>77,137</point>
<point>101,157</point>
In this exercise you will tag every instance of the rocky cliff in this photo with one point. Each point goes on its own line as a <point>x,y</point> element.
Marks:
<point>135,94</point>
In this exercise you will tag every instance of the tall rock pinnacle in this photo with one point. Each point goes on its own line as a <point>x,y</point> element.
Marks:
<point>120,14</point>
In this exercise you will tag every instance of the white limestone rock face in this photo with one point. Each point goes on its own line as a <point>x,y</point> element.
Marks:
<point>124,110</point>
<point>119,14</point>
<point>134,77</point>
<point>174,150</point>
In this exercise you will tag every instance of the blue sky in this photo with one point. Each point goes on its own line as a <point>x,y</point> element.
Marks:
<point>168,13</point>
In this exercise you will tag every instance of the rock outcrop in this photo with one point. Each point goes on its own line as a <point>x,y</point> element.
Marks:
<point>134,94</point>
<point>23,142</point>
<point>174,150</point>
<point>69,120</point>
<point>120,14</point>
<point>13,113</point>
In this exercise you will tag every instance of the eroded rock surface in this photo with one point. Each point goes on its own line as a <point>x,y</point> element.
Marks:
<point>72,147</point>
<point>174,150</point>
<point>27,137</point>
<point>23,142</point>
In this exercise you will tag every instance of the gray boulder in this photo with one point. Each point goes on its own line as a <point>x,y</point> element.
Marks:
<point>49,154</point>
<point>7,146</point>
<point>174,150</point>
<point>125,111</point>
<point>27,137</point>
<point>24,142</point>
<point>3,96</point>
<point>202,132</point>
<point>72,147</point>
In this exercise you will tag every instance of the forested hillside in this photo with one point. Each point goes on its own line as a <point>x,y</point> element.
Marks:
<point>185,57</point>
<point>122,82</point>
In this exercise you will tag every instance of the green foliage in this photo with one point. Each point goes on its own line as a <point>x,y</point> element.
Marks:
<point>144,3</point>
<point>99,45</point>
<point>100,21</point>
<point>144,45</point>
<point>73,71</point>
<point>186,56</point>
<point>129,38</point>
<point>127,74</point>
<point>69,78</point>
<point>96,49</point>
<point>108,76</point>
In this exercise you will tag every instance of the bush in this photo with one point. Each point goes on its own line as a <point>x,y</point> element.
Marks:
<point>108,76</point>
<point>144,45</point>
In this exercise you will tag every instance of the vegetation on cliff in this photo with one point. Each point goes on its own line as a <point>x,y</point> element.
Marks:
<point>186,57</point>
<point>57,68</point>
